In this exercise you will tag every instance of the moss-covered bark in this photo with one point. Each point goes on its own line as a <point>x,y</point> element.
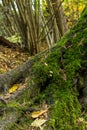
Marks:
<point>61,77</point>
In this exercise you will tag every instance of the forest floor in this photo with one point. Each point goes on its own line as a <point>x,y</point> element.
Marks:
<point>11,58</point>
<point>37,116</point>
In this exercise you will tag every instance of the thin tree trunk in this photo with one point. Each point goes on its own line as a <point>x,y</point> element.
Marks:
<point>60,17</point>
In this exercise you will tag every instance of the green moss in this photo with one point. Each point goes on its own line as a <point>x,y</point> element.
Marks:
<point>65,112</point>
<point>54,76</point>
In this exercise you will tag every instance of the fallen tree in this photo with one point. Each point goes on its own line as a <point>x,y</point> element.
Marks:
<point>62,78</point>
<point>12,45</point>
<point>67,63</point>
<point>5,42</point>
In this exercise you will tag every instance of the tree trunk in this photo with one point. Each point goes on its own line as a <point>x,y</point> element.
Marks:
<point>60,17</point>
<point>11,77</point>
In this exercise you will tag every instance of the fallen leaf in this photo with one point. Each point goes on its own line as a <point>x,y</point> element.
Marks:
<point>38,113</point>
<point>13,88</point>
<point>38,122</point>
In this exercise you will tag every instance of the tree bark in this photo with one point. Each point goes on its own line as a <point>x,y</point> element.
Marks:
<point>60,17</point>
<point>11,77</point>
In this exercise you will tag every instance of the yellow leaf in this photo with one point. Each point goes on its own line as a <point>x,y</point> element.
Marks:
<point>38,113</point>
<point>13,88</point>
